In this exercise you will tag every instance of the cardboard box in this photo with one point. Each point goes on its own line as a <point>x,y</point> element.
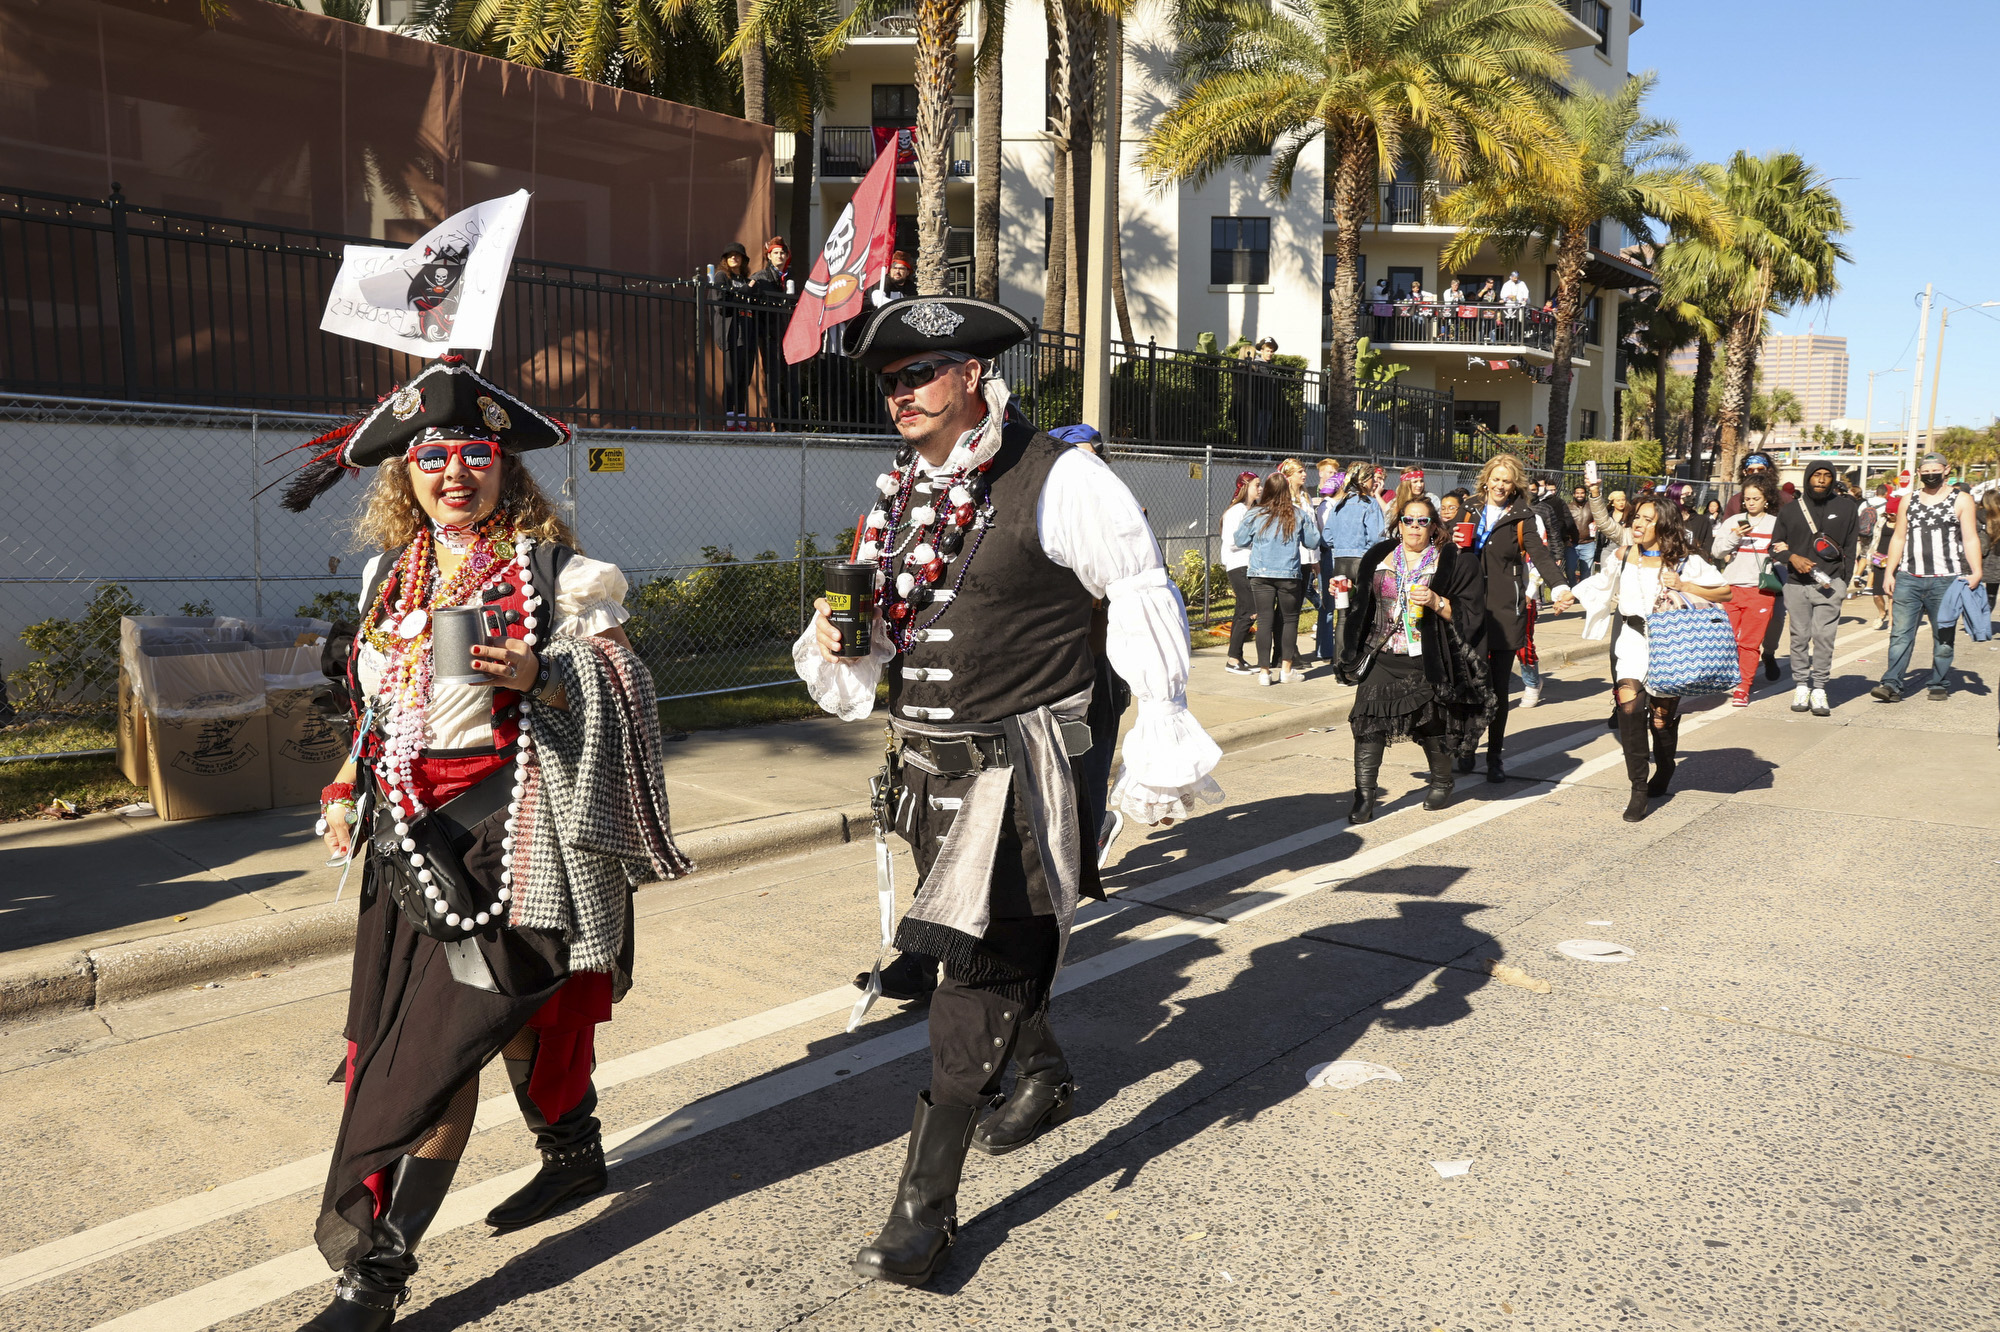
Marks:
<point>307,746</point>
<point>209,765</point>
<point>131,732</point>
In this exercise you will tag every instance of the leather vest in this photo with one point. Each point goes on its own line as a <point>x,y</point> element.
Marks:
<point>1015,635</point>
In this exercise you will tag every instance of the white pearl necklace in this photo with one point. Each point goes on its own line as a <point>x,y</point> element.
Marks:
<point>400,789</point>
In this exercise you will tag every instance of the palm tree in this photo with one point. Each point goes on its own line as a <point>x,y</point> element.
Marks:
<point>1379,81</point>
<point>797,41</point>
<point>668,48</point>
<point>1459,81</point>
<point>1657,325</point>
<point>1780,407</point>
<point>1781,252</point>
<point>986,151</point>
<point>1629,169</point>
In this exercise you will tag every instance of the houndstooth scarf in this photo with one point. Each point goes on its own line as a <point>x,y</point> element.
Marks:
<point>593,823</point>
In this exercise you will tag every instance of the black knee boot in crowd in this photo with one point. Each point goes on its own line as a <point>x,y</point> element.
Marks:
<point>1666,740</point>
<point>1043,1096</point>
<point>923,1221</point>
<point>1632,737</point>
<point>1367,767</point>
<point>373,1286</point>
<point>1442,779</point>
<point>572,1156</point>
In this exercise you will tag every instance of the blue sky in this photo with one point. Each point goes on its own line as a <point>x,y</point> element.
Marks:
<point>1894,103</point>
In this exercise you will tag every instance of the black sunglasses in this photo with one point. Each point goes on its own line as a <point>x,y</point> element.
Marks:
<point>912,376</point>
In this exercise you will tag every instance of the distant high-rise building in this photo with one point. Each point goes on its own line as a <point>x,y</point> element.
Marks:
<point>1814,367</point>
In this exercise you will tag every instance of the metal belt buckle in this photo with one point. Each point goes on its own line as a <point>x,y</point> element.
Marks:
<point>1076,738</point>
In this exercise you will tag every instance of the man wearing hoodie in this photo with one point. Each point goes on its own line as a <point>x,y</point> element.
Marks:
<point>1815,536</point>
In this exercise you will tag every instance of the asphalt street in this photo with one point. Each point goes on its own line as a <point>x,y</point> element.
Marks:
<point>1777,1114</point>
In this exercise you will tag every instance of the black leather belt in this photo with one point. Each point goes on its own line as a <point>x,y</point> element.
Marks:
<point>975,753</point>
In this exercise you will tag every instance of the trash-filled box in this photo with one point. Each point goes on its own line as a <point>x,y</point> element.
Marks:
<point>199,692</point>
<point>308,744</point>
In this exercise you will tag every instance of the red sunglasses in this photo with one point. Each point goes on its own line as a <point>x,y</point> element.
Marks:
<point>476,454</point>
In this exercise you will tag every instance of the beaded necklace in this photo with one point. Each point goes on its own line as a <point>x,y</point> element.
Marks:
<point>936,533</point>
<point>1406,578</point>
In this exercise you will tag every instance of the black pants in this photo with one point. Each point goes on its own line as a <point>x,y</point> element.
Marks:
<point>1246,612</point>
<point>781,381</point>
<point>1500,671</point>
<point>1344,566</point>
<point>738,365</point>
<point>1277,620</point>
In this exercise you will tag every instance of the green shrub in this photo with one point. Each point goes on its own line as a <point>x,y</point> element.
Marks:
<point>339,607</point>
<point>726,605</point>
<point>78,659</point>
<point>1642,457</point>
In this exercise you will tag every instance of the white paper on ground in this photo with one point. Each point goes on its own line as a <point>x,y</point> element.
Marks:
<point>1597,922</point>
<point>143,810</point>
<point>1451,1169</point>
<point>1594,950</point>
<point>1347,1074</point>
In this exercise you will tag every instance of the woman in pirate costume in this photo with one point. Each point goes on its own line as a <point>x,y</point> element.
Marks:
<point>502,824</point>
<point>991,542</point>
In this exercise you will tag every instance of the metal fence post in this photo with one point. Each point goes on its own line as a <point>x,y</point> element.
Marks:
<point>121,263</point>
<point>700,354</point>
<point>569,489</point>
<point>256,519</point>
<point>799,544</point>
<point>1207,531</point>
<point>1153,391</point>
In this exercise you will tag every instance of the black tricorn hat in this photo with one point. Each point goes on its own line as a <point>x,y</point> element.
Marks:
<point>934,323</point>
<point>449,400</point>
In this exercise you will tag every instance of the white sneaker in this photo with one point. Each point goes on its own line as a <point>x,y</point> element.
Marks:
<point>1292,676</point>
<point>1802,699</point>
<point>1530,697</point>
<point>1820,707</point>
<point>1264,677</point>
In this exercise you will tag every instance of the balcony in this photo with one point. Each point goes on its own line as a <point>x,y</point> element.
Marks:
<point>1638,14</point>
<point>846,152</point>
<point>1406,203</point>
<point>1490,330</point>
<point>900,24</point>
<point>1591,20</point>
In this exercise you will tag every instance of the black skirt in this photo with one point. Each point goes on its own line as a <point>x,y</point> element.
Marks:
<point>1398,702</point>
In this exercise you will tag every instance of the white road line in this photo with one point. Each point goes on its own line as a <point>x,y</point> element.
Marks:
<point>240,1292</point>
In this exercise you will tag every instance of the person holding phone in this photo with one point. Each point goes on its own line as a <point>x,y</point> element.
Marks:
<point>1745,543</point>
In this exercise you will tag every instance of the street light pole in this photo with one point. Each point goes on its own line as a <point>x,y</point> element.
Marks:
<point>1916,386</point>
<point>1868,420</point>
<point>1937,369</point>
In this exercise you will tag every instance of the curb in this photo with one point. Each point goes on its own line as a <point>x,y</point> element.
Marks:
<point>120,973</point>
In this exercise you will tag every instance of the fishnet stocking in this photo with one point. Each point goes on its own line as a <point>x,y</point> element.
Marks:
<point>1633,699</point>
<point>523,1046</point>
<point>447,1138</point>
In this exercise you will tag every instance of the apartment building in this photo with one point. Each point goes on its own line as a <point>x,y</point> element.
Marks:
<point>1230,257</point>
<point>1814,367</point>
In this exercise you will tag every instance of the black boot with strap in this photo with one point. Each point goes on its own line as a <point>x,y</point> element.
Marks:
<point>372,1287</point>
<point>572,1151</point>
<point>923,1221</point>
<point>1043,1096</point>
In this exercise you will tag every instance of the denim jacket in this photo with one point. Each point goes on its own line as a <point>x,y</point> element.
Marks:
<point>1272,553</point>
<point>1353,525</point>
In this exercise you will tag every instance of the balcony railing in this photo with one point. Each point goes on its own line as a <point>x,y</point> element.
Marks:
<point>1594,15</point>
<point>1457,325</point>
<point>1406,203</point>
<point>848,151</point>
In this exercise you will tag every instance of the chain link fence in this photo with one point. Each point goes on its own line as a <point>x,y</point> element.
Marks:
<point>126,509</point>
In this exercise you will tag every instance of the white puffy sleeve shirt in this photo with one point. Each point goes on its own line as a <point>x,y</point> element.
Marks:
<point>1090,524</point>
<point>590,598</point>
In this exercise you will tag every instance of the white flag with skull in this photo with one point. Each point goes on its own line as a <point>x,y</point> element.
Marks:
<point>439,294</point>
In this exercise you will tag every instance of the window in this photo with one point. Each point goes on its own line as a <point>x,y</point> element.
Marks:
<point>1589,424</point>
<point>895,105</point>
<point>1600,23</point>
<point>1402,279</point>
<point>1331,273</point>
<point>1239,251</point>
<point>1469,412</point>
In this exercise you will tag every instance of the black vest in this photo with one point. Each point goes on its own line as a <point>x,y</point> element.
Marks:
<point>1016,636</point>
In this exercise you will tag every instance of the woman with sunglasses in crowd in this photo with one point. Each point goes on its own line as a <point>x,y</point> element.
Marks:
<point>1417,605</point>
<point>484,928</point>
<point>1654,568</point>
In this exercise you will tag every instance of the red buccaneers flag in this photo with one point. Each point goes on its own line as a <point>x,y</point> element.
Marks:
<point>856,255</point>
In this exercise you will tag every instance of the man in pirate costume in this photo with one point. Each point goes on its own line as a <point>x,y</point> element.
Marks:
<point>503,822</point>
<point>991,542</point>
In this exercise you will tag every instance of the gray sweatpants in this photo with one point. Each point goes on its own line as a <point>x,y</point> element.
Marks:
<point>1814,616</point>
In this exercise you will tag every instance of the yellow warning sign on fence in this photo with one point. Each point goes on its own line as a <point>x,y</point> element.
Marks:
<point>607,460</point>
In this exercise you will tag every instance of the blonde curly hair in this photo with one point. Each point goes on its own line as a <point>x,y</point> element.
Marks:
<point>1496,463</point>
<point>392,518</point>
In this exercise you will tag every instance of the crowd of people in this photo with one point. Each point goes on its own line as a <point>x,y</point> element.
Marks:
<point>1427,604</point>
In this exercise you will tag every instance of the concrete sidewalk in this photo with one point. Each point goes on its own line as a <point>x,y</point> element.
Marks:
<point>110,907</point>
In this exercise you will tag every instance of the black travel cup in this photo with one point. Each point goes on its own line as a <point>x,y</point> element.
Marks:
<point>850,600</point>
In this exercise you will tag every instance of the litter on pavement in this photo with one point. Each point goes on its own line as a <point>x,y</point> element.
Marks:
<point>1451,1169</point>
<point>1511,975</point>
<point>1347,1074</point>
<point>1595,950</point>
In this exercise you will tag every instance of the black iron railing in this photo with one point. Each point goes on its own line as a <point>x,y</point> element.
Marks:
<point>847,151</point>
<point>102,298</point>
<point>1467,325</point>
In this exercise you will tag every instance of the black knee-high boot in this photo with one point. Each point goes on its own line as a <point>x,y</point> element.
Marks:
<point>1043,1096</point>
<point>1666,740</point>
<point>572,1155</point>
<point>1632,737</point>
<point>373,1286</point>
<point>1442,779</point>
<point>1367,767</point>
<point>923,1221</point>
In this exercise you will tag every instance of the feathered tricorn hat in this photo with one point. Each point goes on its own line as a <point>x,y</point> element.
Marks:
<point>449,400</point>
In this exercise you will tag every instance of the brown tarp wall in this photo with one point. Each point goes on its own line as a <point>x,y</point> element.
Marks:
<point>279,116</point>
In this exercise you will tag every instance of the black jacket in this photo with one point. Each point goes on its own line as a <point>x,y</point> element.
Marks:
<point>1457,580</point>
<point>1839,521</point>
<point>1504,564</point>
